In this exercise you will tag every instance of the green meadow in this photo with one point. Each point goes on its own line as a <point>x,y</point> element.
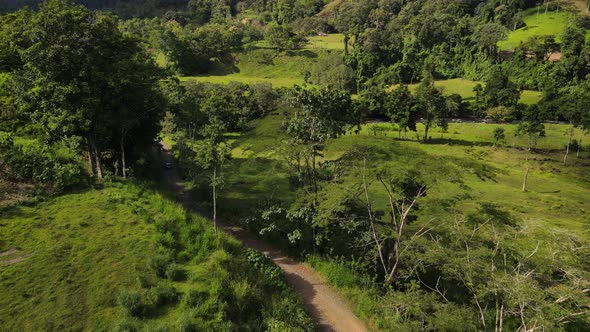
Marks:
<point>554,206</point>
<point>538,23</point>
<point>283,69</point>
<point>258,169</point>
<point>77,261</point>
<point>260,64</point>
<point>464,88</point>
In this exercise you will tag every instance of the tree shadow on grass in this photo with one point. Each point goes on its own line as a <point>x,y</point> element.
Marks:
<point>304,53</point>
<point>455,142</point>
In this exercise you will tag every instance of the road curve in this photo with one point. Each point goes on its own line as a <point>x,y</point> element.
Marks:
<point>329,311</point>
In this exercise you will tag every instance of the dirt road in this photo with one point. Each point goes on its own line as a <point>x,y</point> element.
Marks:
<point>328,310</point>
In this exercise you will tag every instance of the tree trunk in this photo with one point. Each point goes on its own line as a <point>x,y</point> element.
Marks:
<point>426,128</point>
<point>123,163</point>
<point>346,39</point>
<point>90,162</point>
<point>215,198</point>
<point>567,147</point>
<point>97,160</point>
<point>98,164</point>
<point>526,177</point>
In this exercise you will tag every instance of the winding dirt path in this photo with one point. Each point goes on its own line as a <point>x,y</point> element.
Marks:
<point>329,311</point>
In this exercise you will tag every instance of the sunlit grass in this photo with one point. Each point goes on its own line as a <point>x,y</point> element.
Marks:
<point>554,199</point>
<point>333,42</point>
<point>538,23</point>
<point>464,88</point>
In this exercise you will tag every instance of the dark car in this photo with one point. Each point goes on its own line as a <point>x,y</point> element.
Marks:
<point>168,166</point>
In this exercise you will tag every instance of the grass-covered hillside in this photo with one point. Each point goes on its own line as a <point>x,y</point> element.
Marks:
<point>494,172</point>
<point>538,23</point>
<point>261,64</point>
<point>125,257</point>
<point>464,88</point>
<point>552,215</point>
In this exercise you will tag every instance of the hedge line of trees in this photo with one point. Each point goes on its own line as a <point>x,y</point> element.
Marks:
<point>74,75</point>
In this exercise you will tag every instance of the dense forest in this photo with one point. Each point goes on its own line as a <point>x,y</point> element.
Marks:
<point>429,158</point>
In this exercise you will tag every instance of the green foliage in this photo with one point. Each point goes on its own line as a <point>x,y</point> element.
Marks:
<point>273,276</point>
<point>80,76</point>
<point>499,134</point>
<point>175,272</point>
<point>125,219</point>
<point>53,168</point>
<point>431,105</point>
<point>131,301</point>
<point>500,90</point>
<point>488,35</point>
<point>193,298</point>
<point>282,38</point>
<point>322,114</point>
<point>160,264</point>
<point>477,187</point>
<point>163,294</point>
<point>331,71</point>
<point>191,50</point>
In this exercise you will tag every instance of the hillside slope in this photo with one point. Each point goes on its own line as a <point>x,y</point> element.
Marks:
<point>125,257</point>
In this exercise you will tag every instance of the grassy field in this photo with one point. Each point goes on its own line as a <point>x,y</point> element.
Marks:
<point>334,42</point>
<point>538,23</point>
<point>555,205</point>
<point>67,262</point>
<point>261,64</point>
<point>76,251</point>
<point>258,168</point>
<point>465,87</point>
<point>283,69</point>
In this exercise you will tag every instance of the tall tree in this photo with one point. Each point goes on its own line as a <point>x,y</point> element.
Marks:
<point>531,126</point>
<point>82,77</point>
<point>432,106</point>
<point>321,114</point>
<point>400,106</point>
<point>573,106</point>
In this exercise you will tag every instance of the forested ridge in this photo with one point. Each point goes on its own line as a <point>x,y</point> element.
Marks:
<point>429,158</point>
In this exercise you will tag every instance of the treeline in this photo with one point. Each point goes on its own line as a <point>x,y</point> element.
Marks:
<point>125,8</point>
<point>73,79</point>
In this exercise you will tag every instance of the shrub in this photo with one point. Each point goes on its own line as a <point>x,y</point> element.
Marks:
<point>51,167</point>
<point>175,273</point>
<point>127,326</point>
<point>166,240</point>
<point>272,273</point>
<point>159,264</point>
<point>193,298</point>
<point>185,324</point>
<point>501,114</point>
<point>131,303</point>
<point>163,294</point>
<point>143,280</point>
